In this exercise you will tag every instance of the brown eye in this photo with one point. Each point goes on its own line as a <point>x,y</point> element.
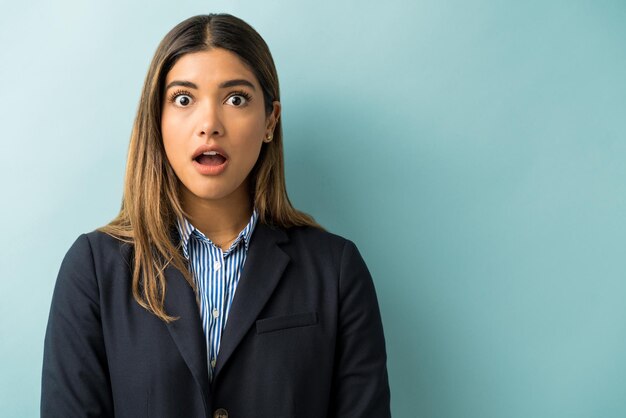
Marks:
<point>182,100</point>
<point>238,100</point>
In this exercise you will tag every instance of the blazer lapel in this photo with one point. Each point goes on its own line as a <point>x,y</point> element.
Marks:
<point>180,301</point>
<point>264,266</point>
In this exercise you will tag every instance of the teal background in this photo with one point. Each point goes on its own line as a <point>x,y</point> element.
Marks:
<point>474,150</point>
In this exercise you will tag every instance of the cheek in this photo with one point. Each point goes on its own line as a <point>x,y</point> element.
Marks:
<point>174,154</point>
<point>171,135</point>
<point>252,146</point>
<point>250,133</point>
<point>167,128</point>
<point>168,145</point>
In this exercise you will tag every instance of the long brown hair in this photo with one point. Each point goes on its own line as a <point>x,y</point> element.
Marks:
<point>151,204</point>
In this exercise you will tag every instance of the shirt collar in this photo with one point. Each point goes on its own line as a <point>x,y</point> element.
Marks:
<point>186,231</point>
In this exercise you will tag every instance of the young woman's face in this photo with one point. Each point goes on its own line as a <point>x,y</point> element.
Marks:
<point>213,123</point>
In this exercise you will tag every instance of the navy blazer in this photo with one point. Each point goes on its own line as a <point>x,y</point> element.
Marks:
<point>303,338</point>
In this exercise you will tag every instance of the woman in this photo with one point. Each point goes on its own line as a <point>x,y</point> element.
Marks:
<point>209,294</point>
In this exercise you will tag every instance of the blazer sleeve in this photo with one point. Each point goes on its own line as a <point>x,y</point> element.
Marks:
<point>75,379</point>
<point>360,382</point>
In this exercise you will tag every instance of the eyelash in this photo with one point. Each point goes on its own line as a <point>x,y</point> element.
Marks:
<point>177,93</point>
<point>241,93</point>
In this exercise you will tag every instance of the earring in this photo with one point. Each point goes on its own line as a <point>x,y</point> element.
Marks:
<point>268,138</point>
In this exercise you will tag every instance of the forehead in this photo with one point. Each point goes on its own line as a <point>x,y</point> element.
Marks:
<point>212,66</point>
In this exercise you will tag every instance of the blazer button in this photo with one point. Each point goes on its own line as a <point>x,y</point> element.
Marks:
<point>220,413</point>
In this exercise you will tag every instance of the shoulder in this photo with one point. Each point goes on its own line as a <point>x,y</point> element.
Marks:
<point>97,243</point>
<point>318,244</point>
<point>309,235</point>
<point>316,239</point>
<point>95,251</point>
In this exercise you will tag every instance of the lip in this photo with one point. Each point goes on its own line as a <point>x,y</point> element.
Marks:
<point>209,170</point>
<point>206,148</point>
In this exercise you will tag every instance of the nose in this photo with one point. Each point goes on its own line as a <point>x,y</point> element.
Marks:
<point>210,121</point>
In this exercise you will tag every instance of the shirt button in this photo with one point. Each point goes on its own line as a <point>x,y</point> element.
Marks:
<point>216,313</point>
<point>213,362</point>
<point>217,265</point>
<point>220,413</point>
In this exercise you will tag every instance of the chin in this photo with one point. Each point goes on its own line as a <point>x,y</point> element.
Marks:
<point>216,193</point>
<point>211,195</point>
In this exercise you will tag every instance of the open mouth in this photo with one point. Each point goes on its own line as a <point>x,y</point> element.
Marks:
<point>210,158</point>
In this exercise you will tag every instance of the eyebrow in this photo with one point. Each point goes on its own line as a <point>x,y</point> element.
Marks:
<point>182,84</point>
<point>237,82</point>
<point>223,85</point>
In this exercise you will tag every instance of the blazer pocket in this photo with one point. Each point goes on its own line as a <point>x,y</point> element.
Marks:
<point>276,323</point>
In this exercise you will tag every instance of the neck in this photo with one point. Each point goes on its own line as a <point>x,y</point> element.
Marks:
<point>219,220</point>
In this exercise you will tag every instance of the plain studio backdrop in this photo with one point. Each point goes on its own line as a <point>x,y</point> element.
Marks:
<point>475,151</point>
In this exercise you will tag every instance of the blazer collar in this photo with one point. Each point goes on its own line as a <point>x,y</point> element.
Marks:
<point>186,331</point>
<point>264,266</point>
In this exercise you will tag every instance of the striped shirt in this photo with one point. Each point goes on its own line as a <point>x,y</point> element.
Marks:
<point>216,274</point>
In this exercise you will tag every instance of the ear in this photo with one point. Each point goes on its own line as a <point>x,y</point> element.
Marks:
<point>272,118</point>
